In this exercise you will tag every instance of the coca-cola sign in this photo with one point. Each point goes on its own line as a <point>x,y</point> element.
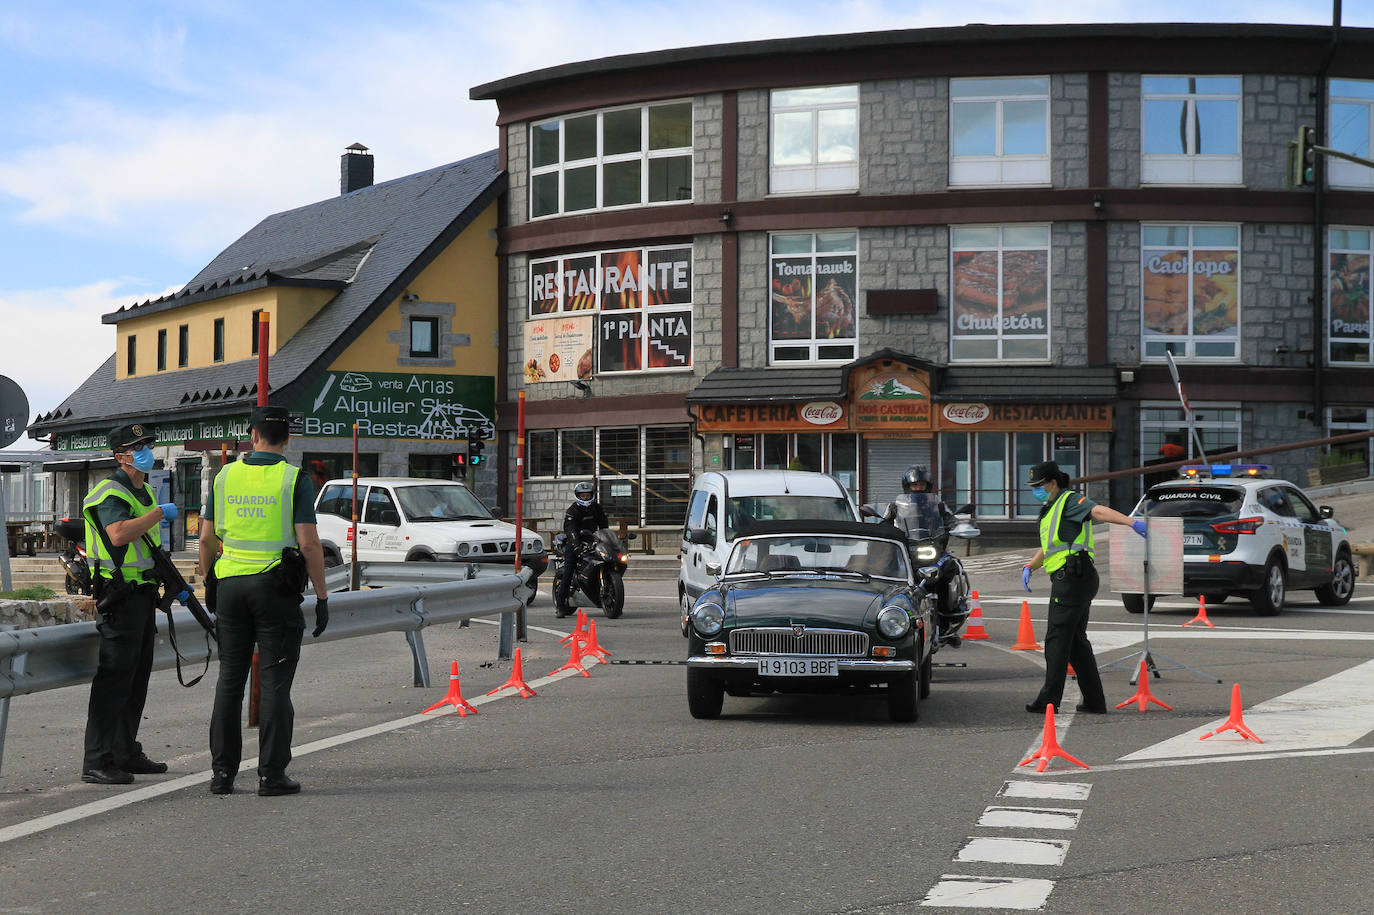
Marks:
<point>822,412</point>
<point>966,414</point>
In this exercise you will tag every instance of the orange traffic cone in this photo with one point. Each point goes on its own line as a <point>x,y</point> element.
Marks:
<point>454,697</point>
<point>579,630</point>
<point>975,628</point>
<point>1049,746</point>
<point>574,661</point>
<point>1142,695</point>
<point>593,647</point>
<point>1234,722</point>
<point>1201,613</point>
<point>516,681</point>
<point>1025,633</point>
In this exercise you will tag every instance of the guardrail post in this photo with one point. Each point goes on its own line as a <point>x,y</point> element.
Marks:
<point>506,643</point>
<point>9,669</point>
<point>416,639</point>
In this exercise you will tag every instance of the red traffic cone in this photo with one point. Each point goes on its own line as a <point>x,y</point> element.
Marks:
<point>1025,633</point>
<point>1201,613</point>
<point>574,661</point>
<point>1234,722</point>
<point>1142,692</point>
<point>516,681</point>
<point>579,632</point>
<point>975,628</point>
<point>1049,746</point>
<point>593,647</point>
<point>454,697</point>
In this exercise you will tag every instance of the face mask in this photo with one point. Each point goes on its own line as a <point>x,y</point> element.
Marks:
<point>143,459</point>
<point>1039,493</point>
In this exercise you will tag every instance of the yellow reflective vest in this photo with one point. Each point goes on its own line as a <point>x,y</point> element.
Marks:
<point>254,507</point>
<point>137,566</point>
<point>1057,551</point>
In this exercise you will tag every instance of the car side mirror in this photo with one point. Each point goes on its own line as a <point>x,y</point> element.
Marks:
<point>1327,511</point>
<point>700,535</point>
<point>868,511</point>
<point>965,509</point>
<point>713,569</point>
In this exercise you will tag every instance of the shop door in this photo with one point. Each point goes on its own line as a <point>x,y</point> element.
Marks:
<point>885,460</point>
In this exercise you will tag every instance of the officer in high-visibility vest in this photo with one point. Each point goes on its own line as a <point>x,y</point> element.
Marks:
<point>261,511</point>
<point>118,512</point>
<point>1066,553</point>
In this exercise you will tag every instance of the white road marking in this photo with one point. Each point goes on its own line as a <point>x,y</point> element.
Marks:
<point>1030,817</point>
<point>1039,852</point>
<point>1059,791</point>
<point>959,891</point>
<point>1206,761</point>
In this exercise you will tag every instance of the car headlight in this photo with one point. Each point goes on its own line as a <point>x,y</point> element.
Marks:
<point>462,549</point>
<point>708,619</point>
<point>894,622</point>
<point>534,546</point>
<point>927,553</point>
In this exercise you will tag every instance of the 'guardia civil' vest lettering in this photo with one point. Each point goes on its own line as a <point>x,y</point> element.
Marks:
<point>253,516</point>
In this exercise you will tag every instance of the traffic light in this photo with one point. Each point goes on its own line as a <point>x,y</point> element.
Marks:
<point>459,462</point>
<point>475,446</point>
<point>1305,157</point>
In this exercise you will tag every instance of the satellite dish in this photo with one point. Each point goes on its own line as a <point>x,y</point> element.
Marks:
<point>14,412</point>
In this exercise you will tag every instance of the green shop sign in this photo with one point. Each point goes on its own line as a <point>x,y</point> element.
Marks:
<point>399,405</point>
<point>219,429</point>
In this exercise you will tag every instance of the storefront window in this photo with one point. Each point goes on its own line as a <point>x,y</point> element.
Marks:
<point>815,139</point>
<point>743,452</point>
<point>1000,276</point>
<point>999,131</point>
<point>577,453</point>
<point>775,454</point>
<point>808,454</point>
<point>432,467</point>
<point>329,465</point>
<point>1190,130</point>
<point>616,158</point>
<point>667,473</point>
<point>1345,420</point>
<point>1348,300</point>
<point>813,287</point>
<point>1030,450</point>
<point>1218,427</point>
<point>1352,125</point>
<point>541,459</point>
<point>1190,288</point>
<point>973,468</point>
<point>618,470</point>
<point>844,461</point>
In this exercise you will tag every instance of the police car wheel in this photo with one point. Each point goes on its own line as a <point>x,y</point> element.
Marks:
<point>1268,600</point>
<point>1135,603</point>
<point>1341,588</point>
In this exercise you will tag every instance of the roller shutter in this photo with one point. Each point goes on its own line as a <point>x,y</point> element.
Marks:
<point>885,460</point>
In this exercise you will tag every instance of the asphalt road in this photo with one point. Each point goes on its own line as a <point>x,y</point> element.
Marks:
<point>603,794</point>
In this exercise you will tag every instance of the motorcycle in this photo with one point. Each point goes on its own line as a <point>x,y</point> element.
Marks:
<point>940,573</point>
<point>73,555</point>
<point>598,573</point>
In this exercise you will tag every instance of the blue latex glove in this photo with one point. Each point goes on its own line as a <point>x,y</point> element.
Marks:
<point>1025,577</point>
<point>169,510</point>
<point>184,596</point>
<point>1138,527</point>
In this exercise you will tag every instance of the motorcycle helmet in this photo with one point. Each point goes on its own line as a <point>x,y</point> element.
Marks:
<point>916,473</point>
<point>585,493</point>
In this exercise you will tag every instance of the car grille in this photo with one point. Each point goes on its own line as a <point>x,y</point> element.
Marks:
<point>828,642</point>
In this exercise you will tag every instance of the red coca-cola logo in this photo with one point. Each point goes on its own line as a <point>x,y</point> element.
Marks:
<point>822,412</point>
<point>966,414</point>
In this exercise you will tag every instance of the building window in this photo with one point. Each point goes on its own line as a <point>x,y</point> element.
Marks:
<point>432,467</point>
<point>131,363</point>
<point>618,466</point>
<point>667,473</point>
<point>1344,421</point>
<point>541,458</point>
<point>643,472</point>
<point>424,337</point>
<point>162,350</point>
<point>814,140</point>
<point>999,131</point>
<point>813,285</point>
<point>1191,291</point>
<point>183,346</point>
<point>1190,130</point>
<point>619,157</point>
<point>1347,295</point>
<point>989,469</point>
<point>1217,426</point>
<point>1352,125</point>
<point>257,322</point>
<point>219,340</point>
<point>1000,308</point>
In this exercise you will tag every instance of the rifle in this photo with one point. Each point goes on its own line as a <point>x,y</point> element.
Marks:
<point>173,584</point>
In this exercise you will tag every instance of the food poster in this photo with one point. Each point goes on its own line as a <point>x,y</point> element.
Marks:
<point>620,280</point>
<point>1165,284</point>
<point>559,348</point>
<point>619,341</point>
<point>1214,292</point>
<point>544,287</point>
<point>791,296</point>
<point>1025,293</point>
<point>1350,319</point>
<point>835,294</point>
<point>975,293</point>
<point>669,339</point>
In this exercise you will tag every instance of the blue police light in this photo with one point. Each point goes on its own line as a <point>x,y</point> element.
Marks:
<point>1195,471</point>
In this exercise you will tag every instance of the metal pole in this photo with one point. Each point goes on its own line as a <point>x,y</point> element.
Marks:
<point>353,540</point>
<point>255,683</point>
<point>520,631</point>
<point>1187,410</point>
<point>5,582</point>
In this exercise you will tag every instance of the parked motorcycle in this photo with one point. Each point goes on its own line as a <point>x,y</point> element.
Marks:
<point>598,573</point>
<point>940,572</point>
<point>73,555</point>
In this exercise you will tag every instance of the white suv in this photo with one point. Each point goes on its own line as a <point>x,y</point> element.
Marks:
<point>1244,533</point>
<point>417,520</point>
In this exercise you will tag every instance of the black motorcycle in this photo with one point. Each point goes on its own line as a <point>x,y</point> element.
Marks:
<point>939,572</point>
<point>598,573</point>
<point>73,555</point>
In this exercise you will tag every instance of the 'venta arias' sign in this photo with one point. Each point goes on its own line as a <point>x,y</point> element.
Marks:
<point>400,405</point>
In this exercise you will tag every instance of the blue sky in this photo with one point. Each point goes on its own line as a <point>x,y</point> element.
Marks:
<point>138,139</point>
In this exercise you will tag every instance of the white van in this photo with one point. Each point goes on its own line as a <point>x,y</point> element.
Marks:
<point>724,502</point>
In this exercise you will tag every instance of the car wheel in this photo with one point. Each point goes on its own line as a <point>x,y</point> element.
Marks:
<point>1217,598</point>
<point>903,696</point>
<point>1341,588</point>
<point>926,672</point>
<point>705,695</point>
<point>420,557</point>
<point>332,560</point>
<point>612,595</point>
<point>1135,603</point>
<point>685,603</point>
<point>1268,600</point>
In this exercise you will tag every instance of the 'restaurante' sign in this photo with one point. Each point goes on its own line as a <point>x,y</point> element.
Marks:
<point>1020,417</point>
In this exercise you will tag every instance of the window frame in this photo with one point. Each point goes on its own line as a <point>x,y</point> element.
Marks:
<point>1190,339</point>
<point>183,345</point>
<point>257,322</point>
<point>1001,336</point>
<point>433,322</point>
<point>162,349</point>
<point>999,169</point>
<point>1340,173</point>
<point>131,355</point>
<point>1165,420</point>
<point>1190,166</point>
<point>1333,251</point>
<point>847,172</point>
<point>218,349</point>
<point>813,344</point>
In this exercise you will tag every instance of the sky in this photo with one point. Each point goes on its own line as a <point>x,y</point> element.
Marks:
<point>139,139</point>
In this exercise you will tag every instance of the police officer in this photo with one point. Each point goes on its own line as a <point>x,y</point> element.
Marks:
<point>260,507</point>
<point>584,517</point>
<point>118,512</point>
<point>1066,553</point>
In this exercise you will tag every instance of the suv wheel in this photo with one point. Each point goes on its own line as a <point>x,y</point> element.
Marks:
<point>1341,588</point>
<point>1268,600</point>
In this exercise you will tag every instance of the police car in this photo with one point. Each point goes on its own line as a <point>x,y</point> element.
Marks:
<point>1247,534</point>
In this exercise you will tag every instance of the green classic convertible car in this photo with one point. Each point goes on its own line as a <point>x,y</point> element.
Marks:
<point>812,607</point>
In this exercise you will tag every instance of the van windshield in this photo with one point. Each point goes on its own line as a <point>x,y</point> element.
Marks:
<point>440,502</point>
<point>746,510</point>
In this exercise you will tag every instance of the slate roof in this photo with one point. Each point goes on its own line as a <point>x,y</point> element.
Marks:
<point>369,244</point>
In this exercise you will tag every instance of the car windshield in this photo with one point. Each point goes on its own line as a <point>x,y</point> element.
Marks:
<point>808,553</point>
<point>440,503</point>
<point>743,511</point>
<point>1194,501</point>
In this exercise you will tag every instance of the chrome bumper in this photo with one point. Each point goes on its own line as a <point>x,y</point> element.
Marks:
<point>859,665</point>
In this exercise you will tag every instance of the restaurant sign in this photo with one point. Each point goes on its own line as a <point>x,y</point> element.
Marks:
<point>890,398</point>
<point>399,405</point>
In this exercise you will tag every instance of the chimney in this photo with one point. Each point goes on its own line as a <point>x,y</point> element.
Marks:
<point>355,169</point>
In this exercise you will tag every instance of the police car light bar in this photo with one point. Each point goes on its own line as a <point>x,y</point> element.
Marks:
<point>1197,471</point>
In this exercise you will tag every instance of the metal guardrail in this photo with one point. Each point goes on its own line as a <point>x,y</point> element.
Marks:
<point>400,597</point>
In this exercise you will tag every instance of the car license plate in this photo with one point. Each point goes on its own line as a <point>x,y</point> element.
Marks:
<point>1194,540</point>
<point>799,667</point>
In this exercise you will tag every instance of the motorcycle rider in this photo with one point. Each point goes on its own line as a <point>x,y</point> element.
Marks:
<point>581,521</point>
<point>924,515</point>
